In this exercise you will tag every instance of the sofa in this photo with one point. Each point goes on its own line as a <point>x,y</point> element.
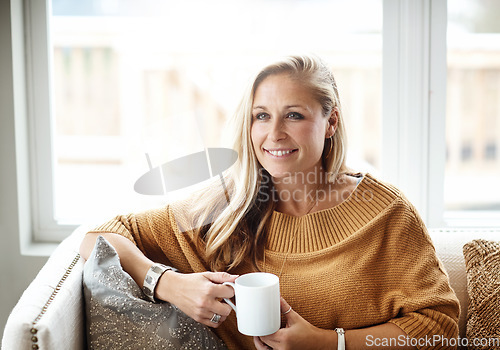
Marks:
<point>50,313</point>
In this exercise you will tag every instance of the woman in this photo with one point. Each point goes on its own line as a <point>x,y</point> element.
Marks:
<point>351,252</point>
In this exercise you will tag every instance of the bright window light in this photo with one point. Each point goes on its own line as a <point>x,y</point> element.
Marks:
<point>162,77</point>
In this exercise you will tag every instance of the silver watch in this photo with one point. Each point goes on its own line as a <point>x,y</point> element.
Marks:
<point>151,280</point>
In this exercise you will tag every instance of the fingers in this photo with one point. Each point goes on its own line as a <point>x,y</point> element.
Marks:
<point>288,313</point>
<point>222,291</point>
<point>221,308</point>
<point>285,307</point>
<point>216,288</point>
<point>259,345</point>
<point>212,303</point>
<point>204,307</point>
<point>209,296</point>
<point>271,341</point>
<point>220,277</point>
<point>200,296</point>
<point>207,316</point>
<point>214,320</point>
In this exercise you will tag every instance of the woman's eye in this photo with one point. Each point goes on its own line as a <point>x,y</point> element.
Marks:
<point>295,115</point>
<point>261,116</point>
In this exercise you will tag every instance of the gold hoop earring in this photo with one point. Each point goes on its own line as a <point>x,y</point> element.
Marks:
<point>331,147</point>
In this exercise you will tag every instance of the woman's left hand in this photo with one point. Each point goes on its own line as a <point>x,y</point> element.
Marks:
<point>298,334</point>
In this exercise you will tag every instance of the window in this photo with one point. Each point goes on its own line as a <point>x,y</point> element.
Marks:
<point>123,76</point>
<point>473,112</point>
<point>164,79</point>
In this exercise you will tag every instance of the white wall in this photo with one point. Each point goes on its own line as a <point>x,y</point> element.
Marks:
<point>16,271</point>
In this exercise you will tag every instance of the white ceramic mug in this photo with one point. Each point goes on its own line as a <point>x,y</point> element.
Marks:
<point>257,306</point>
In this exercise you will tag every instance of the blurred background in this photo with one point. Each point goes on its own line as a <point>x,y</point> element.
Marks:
<point>162,77</point>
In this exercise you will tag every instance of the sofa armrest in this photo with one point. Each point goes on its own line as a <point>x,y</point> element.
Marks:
<point>50,313</point>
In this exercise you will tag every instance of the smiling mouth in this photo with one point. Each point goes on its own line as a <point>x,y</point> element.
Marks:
<point>280,153</point>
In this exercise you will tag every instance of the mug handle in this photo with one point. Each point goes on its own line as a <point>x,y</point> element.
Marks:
<point>231,284</point>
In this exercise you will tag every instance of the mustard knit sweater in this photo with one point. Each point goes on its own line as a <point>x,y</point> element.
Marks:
<point>366,261</point>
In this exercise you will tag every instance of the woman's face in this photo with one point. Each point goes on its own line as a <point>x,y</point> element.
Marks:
<point>288,127</point>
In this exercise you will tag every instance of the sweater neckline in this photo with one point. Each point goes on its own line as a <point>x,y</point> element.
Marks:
<point>352,194</point>
<point>325,228</point>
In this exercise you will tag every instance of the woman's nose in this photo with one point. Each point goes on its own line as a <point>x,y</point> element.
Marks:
<point>276,131</point>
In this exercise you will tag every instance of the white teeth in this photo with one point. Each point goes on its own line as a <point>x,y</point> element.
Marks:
<point>280,153</point>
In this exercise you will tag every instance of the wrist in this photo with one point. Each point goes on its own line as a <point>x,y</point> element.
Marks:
<point>165,287</point>
<point>328,340</point>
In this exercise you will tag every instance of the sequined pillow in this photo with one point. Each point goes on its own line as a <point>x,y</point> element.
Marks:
<point>119,316</point>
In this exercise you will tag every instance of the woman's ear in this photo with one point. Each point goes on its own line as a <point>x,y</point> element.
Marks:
<point>333,120</point>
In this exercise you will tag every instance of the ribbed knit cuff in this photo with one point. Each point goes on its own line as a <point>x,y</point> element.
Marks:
<point>429,329</point>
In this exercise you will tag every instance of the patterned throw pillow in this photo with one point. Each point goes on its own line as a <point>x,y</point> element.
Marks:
<point>482,263</point>
<point>119,316</point>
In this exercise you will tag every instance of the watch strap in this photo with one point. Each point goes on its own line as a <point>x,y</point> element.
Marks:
<point>152,277</point>
<point>341,338</point>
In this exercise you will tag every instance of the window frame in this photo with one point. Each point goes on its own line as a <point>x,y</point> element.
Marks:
<point>414,102</point>
<point>41,130</point>
<point>414,113</point>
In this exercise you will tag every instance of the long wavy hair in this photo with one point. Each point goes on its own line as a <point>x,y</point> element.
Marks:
<point>231,226</point>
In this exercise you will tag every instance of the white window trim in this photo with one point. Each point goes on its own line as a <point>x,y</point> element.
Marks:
<point>30,172</point>
<point>414,102</point>
<point>14,129</point>
<point>38,63</point>
<point>414,90</point>
<point>438,66</point>
<point>414,111</point>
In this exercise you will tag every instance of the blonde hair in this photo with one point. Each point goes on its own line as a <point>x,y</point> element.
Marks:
<point>232,232</point>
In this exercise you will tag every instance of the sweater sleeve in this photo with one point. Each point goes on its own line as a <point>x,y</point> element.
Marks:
<point>124,225</point>
<point>156,233</point>
<point>428,309</point>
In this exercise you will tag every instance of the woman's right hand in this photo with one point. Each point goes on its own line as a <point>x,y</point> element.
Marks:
<point>198,295</point>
